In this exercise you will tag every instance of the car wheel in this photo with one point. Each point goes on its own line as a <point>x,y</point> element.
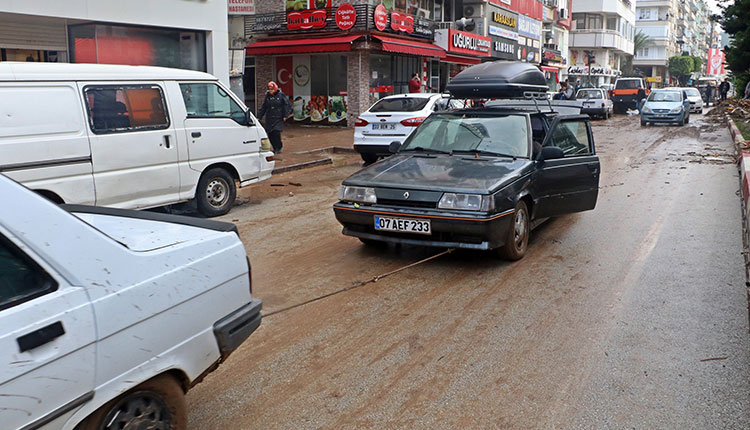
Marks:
<point>517,239</point>
<point>156,404</point>
<point>701,111</point>
<point>216,192</point>
<point>369,158</point>
<point>643,123</point>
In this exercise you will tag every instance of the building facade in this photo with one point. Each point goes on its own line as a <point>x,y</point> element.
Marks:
<point>604,31</point>
<point>172,33</point>
<point>656,19</point>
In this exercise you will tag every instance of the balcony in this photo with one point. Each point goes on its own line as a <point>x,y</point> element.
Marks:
<point>607,39</point>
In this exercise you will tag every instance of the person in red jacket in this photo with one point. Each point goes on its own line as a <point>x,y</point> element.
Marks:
<point>415,84</point>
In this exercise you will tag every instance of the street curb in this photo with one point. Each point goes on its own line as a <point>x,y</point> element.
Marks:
<point>305,165</point>
<point>331,149</point>
<point>743,164</point>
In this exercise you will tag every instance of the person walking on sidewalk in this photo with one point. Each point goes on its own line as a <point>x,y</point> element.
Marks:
<point>724,89</point>
<point>709,91</point>
<point>414,84</point>
<point>277,109</point>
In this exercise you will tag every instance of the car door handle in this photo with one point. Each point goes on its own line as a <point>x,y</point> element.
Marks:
<point>196,134</point>
<point>249,141</point>
<point>166,141</point>
<point>594,169</point>
<point>39,337</point>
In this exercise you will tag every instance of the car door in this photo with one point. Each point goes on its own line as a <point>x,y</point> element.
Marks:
<point>571,183</point>
<point>133,144</point>
<point>47,341</point>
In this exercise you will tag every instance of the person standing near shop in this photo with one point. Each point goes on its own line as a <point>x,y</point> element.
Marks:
<point>277,109</point>
<point>414,84</point>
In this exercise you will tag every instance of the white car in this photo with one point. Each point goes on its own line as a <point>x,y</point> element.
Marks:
<point>595,102</point>
<point>696,100</point>
<point>393,119</point>
<point>108,316</point>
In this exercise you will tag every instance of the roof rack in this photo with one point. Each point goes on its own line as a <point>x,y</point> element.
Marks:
<point>534,95</point>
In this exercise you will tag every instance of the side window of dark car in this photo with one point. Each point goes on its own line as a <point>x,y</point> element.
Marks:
<point>21,279</point>
<point>117,109</point>
<point>572,137</point>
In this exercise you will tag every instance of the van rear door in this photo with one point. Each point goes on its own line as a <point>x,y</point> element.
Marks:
<point>133,144</point>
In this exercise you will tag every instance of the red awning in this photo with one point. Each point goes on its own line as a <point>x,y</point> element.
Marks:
<point>461,60</point>
<point>404,46</point>
<point>298,46</point>
<point>550,69</point>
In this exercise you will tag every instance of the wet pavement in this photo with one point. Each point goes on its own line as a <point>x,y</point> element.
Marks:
<point>633,315</point>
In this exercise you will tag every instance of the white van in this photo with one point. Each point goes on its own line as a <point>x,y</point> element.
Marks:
<point>128,136</point>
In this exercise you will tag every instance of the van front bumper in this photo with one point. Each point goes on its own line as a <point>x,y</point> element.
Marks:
<point>234,328</point>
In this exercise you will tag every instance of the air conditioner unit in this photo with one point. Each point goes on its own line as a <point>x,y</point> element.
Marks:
<point>473,10</point>
<point>563,14</point>
<point>423,13</point>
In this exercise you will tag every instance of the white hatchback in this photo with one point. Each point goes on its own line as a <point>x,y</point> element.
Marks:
<point>696,100</point>
<point>393,119</point>
<point>108,316</point>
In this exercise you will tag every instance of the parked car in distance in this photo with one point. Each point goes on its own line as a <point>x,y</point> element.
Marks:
<point>129,137</point>
<point>478,178</point>
<point>394,118</point>
<point>108,316</point>
<point>701,84</point>
<point>666,106</point>
<point>625,94</point>
<point>595,102</point>
<point>695,98</point>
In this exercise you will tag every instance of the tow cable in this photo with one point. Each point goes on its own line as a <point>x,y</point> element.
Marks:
<point>360,284</point>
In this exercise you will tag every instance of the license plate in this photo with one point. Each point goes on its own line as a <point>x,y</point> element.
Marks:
<point>384,126</point>
<point>661,115</point>
<point>402,225</point>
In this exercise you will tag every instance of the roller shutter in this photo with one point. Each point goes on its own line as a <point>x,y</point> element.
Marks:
<point>23,32</point>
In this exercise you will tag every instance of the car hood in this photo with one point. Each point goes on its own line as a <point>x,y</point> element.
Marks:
<point>141,235</point>
<point>440,172</point>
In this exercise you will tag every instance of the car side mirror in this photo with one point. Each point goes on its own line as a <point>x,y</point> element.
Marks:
<point>394,147</point>
<point>249,119</point>
<point>550,153</point>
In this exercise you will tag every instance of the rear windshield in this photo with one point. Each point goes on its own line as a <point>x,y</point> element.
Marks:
<point>400,104</point>
<point>665,96</point>
<point>693,92</point>
<point>629,84</point>
<point>506,135</point>
<point>589,94</point>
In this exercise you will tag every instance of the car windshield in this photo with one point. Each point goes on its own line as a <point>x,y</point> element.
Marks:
<point>589,94</point>
<point>627,84</point>
<point>693,92</point>
<point>400,104</point>
<point>492,134</point>
<point>665,96</point>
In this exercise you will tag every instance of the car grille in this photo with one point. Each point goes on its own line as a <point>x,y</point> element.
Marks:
<point>407,203</point>
<point>661,110</point>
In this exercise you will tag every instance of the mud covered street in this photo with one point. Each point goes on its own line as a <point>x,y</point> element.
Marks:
<point>633,315</point>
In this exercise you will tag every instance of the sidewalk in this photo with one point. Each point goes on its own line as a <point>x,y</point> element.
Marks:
<point>305,144</point>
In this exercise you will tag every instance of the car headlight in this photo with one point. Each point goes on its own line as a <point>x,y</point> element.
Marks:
<point>678,109</point>
<point>646,109</point>
<point>466,202</point>
<point>357,194</point>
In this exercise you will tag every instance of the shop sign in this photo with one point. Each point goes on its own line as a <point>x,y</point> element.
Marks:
<point>501,32</point>
<point>499,2</point>
<point>306,19</point>
<point>656,79</point>
<point>241,7</point>
<point>529,27</point>
<point>346,16</point>
<point>553,55</point>
<point>402,22</point>
<point>468,43</point>
<point>381,17</point>
<point>504,19</point>
<point>578,70</point>
<point>504,47</point>
<point>267,24</point>
<point>382,89</point>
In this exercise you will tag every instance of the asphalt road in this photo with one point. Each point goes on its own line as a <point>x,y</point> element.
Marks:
<point>633,315</point>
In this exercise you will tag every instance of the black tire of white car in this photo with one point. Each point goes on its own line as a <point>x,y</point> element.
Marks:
<point>369,158</point>
<point>517,239</point>
<point>216,192</point>
<point>156,403</point>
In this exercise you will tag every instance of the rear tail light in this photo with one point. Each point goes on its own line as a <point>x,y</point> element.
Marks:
<point>413,122</point>
<point>269,158</point>
<point>360,122</point>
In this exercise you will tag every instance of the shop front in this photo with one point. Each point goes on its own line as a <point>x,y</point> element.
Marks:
<point>554,68</point>
<point>502,29</point>
<point>334,62</point>
<point>594,76</point>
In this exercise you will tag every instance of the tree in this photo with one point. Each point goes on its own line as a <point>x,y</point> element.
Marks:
<point>681,66</point>
<point>736,22</point>
<point>640,41</point>
<point>697,64</point>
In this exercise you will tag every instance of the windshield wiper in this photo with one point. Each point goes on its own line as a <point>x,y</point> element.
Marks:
<point>422,149</point>
<point>484,152</point>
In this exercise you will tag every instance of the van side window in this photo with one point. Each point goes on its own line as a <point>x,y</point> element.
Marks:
<point>123,108</point>
<point>208,100</point>
<point>20,278</point>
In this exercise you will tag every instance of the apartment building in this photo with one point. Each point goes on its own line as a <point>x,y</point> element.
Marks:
<point>656,19</point>
<point>604,29</point>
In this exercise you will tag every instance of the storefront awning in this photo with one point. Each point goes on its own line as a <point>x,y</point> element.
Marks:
<point>458,59</point>
<point>404,46</point>
<point>550,69</point>
<point>299,46</point>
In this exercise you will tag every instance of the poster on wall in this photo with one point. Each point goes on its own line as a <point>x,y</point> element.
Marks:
<point>301,81</point>
<point>318,108</point>
<point>336,108</point>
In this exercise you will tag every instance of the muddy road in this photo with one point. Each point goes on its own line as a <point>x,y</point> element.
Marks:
<point>632,315</point>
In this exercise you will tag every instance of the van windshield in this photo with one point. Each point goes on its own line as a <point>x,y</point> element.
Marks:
<point>503,135</point>
<point>627,84</point>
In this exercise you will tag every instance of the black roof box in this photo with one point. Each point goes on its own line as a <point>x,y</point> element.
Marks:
<point>497,79</point>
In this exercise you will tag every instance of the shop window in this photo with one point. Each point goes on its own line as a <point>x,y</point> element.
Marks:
<point>115,109</point>
<point>210,101</point>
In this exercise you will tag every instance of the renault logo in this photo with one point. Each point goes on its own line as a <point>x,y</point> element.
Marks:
<point>406,195</point>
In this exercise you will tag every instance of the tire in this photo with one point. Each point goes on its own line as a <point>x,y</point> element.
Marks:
<point>643,123</point>
<point>517,239</point>
<point>369,158</point>
<point>157,403</point>
<point>216,192</point>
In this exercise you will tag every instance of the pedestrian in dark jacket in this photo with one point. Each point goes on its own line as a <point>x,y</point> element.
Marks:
<point>277,109</point>
<point>724,89</point>
<point>709,91</point>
